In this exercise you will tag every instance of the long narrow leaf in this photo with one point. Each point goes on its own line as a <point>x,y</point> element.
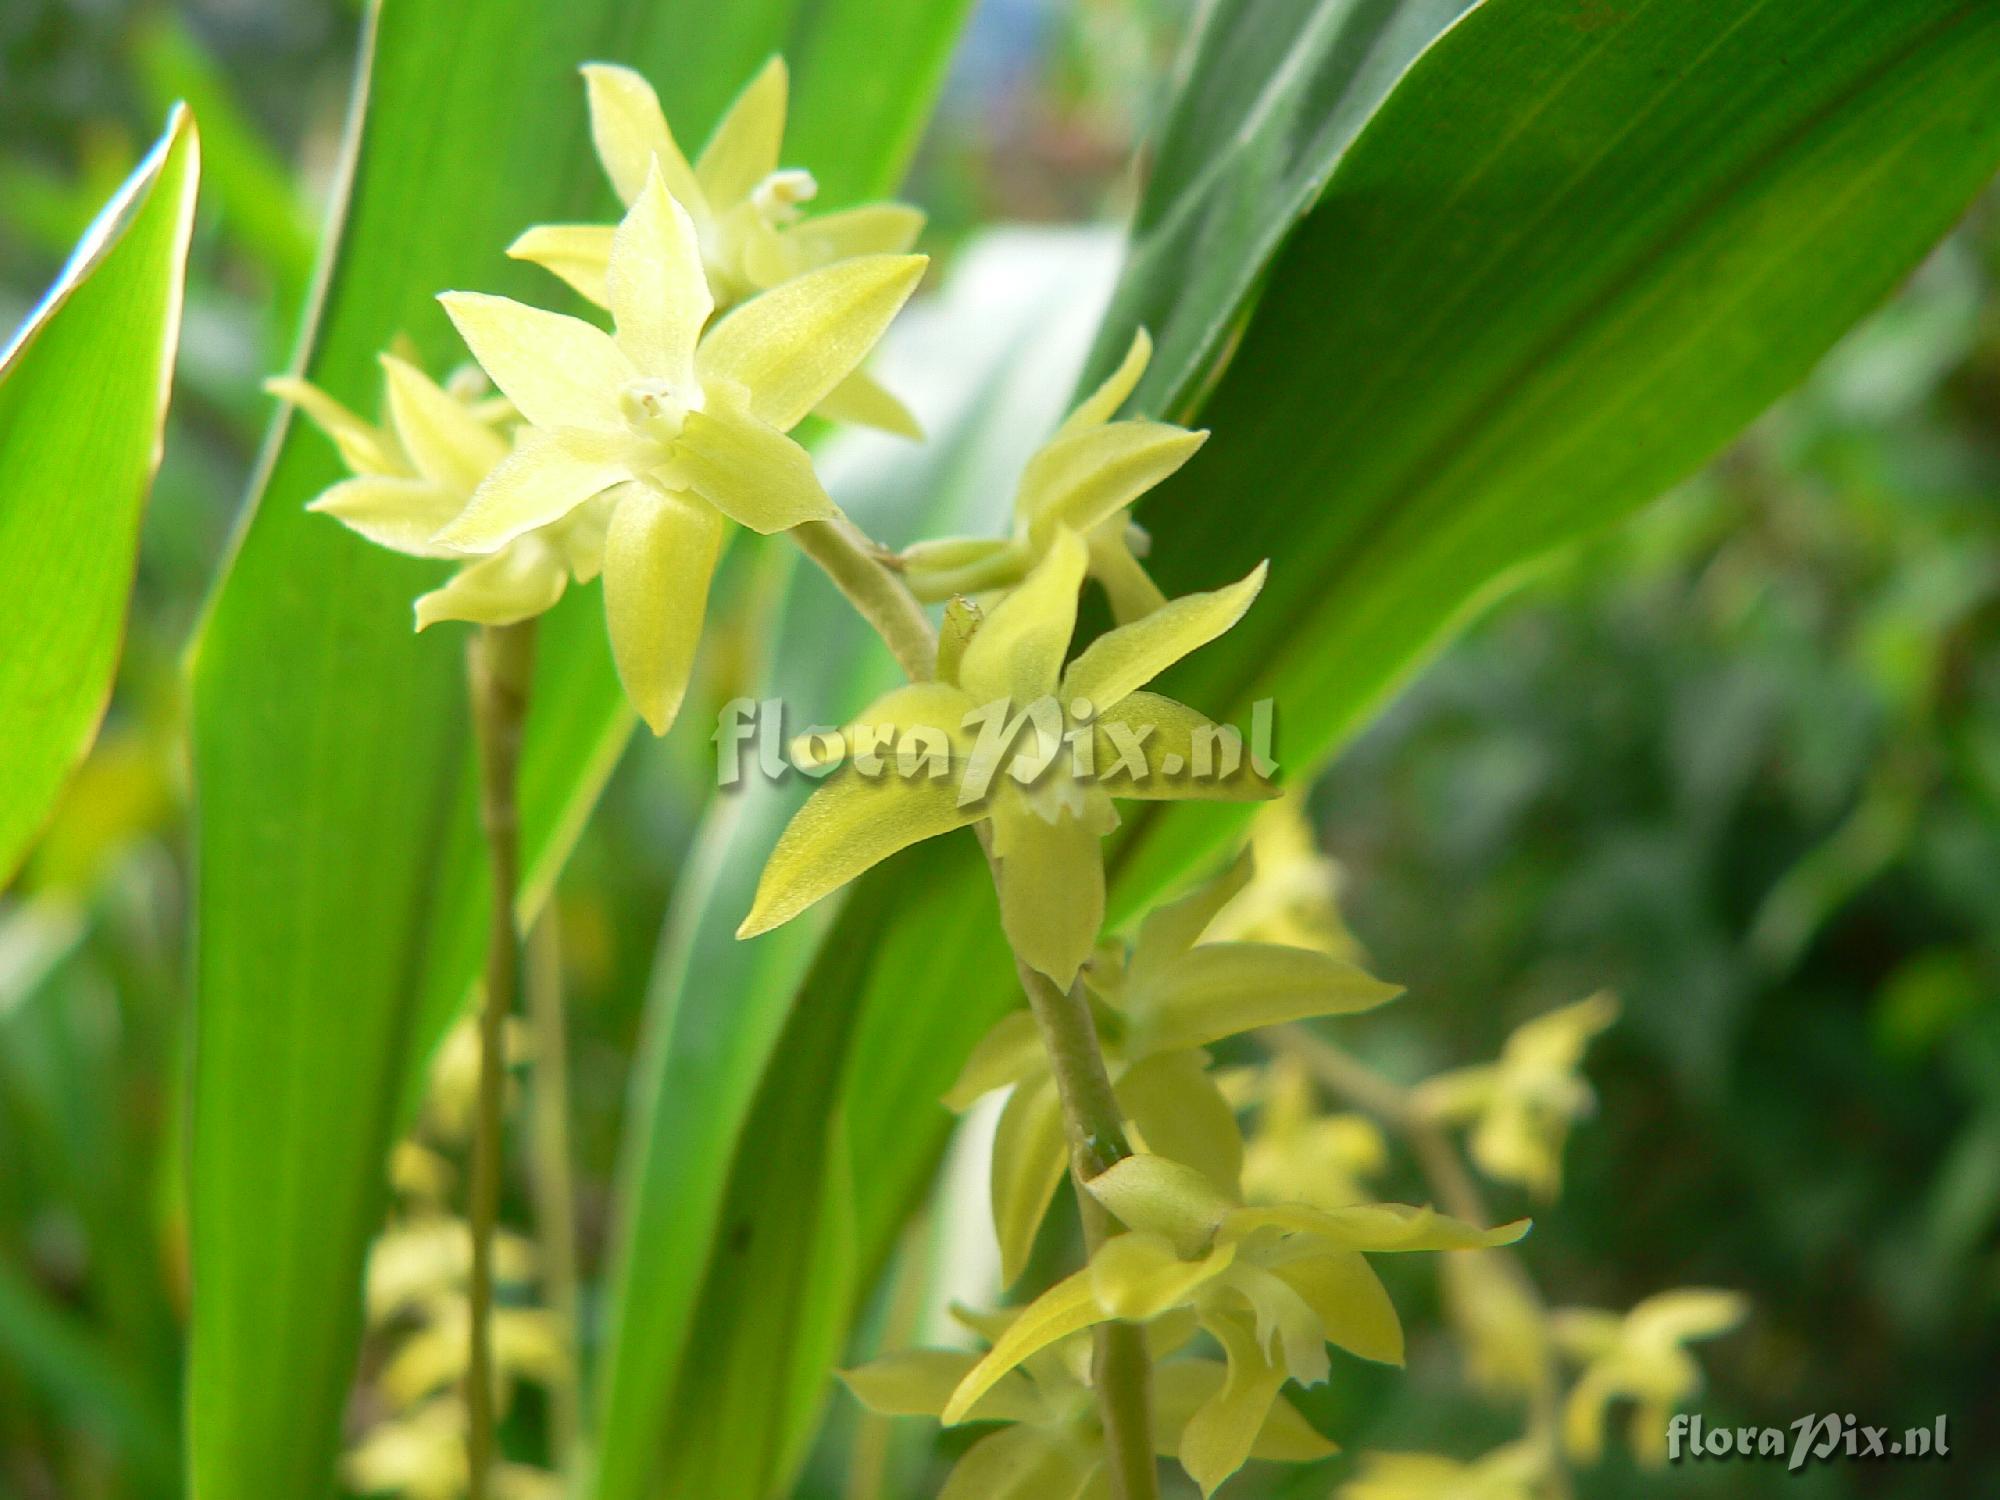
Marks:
<point>83,395</point>
<point>341,880</point>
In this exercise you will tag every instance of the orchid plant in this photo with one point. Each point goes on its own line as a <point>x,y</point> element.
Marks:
<point>568,451</point>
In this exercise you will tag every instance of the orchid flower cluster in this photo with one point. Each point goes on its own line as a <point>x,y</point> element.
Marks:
<point>571,451</point>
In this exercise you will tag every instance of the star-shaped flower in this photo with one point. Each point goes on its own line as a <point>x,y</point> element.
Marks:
<point>1298,1153</point>
<point>1084,479</point>
<point>672,429</point>
<point>745,209</point>
<point>414,472</point>
<point>1156,1010</point>
<point>1056,745</point>
<point>1638,1357</point>
<point>1272,1285</point>
<point>1053,1445</point>
<point>1524,1103</point>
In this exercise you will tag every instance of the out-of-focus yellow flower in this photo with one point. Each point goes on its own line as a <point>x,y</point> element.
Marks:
<point>1084,479</point>
<point>1294,896</point>
<point>1057,744</point>
<point>1502,1329</point>
<point>1156,1010</point>
<point>664,429</point>
<point>421,1455</point>
<point>1523,1105</point>
<point>1273,1285</point>
<point>1518,1471</point>
<point>1296,1153</point>
<point>1638,1357</point>
<point>744,207</point>
<point>417,470</point>
<point>1053,1444</point>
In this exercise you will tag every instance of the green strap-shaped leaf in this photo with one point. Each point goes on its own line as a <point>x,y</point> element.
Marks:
<point>1571,255</point>
<point>341,881</point>
<point>1274,91</point>
<point>730,1293</point>
<point>83,394</point>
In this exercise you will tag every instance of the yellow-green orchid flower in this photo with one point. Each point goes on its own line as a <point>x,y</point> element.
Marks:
<point>1053,1445</point>
<point>1503,1331</point>
<point>1272,1285</point>
<point>1057,744</point>
<point>1293,897</point>
<point>744,208</point>
<point>1156,1010</point>
<point>1084,479</point>
<point>1639,1358</point>
<point>1523,1105</point>
<point>669,429</point>
<point>1517,1471</point>
<point>1297,1153</point>
<point>415,471</point>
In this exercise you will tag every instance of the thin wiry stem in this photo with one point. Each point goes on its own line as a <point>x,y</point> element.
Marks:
<point>549,1164</point>
<point>500,667</point>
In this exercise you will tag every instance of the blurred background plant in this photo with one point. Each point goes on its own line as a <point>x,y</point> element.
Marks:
<point>1737,762</point>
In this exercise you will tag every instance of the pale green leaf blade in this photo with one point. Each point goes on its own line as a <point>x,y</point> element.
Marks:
<point>83,394</point>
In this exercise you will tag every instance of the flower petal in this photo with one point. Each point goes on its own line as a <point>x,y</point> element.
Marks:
<point>1153,749</point>
<point>1181,1388</point>
<point>578,253</point>
<point>1216,990</point>
<point>542,480</point>
<point>1175,1106</point>
<point>447,443</point>
<point>1374,1227</point>
<point>884,730</point>
<point>655,285</point>
<point>630,133</point>
<point>1080,480</point>
<point>1126,583</point>
<point>850,824</point>
<point>1051,884</point>
<point>1171,929</point>
<point>862,401</point>
<point>1008,1053</point>
<point>744,149</point>
<point>1154,1195</point>
<point>749,471</point>
<point>866,229</point>
<point>918,1383</point>
<point>401,514</point>
<point>514,585</point>
<point>1019,1463</point>
<point>1029,1157</point>
<point>658,558</point>
<point>789,347</point>
<point>1065,1308</point>
<point>1219,1436</point>
<point>1016,654</point>
<point>363,447</point>
<point>1127,658</point>
<point>1100,405</point>
<point>559,371</point>
<point>1141,1276</point>
<point>1350,1301</point>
